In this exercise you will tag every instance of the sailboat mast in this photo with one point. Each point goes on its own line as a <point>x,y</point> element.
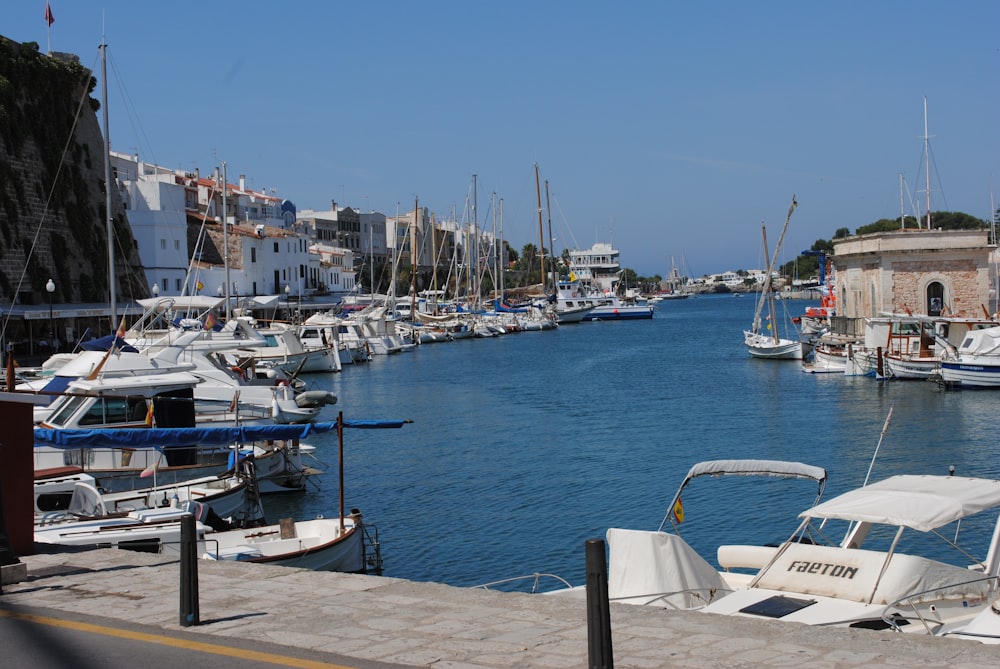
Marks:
<point>541,237</point>
<point>902,205</point>
<point>107,188</point>
<point>225,240</point>
<point>413,260</point>
<point>552,242</point>
<point>769,295</point>
<point>771,263</point>
<point>474,266</point>
<point>502,255</point>
<point>927,166</point>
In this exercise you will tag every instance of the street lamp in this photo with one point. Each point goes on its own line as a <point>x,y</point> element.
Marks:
<point>288,297</point>
<point>50,287</point>
<point>156,290</point>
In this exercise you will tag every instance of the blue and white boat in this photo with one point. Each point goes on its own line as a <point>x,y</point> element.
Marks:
<point>593,281</point>
<point>976,362</point>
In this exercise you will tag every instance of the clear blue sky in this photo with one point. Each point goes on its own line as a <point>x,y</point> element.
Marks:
<point>672,129</point>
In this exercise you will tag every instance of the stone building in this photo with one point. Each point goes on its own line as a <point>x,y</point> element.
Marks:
<point>930,272</point>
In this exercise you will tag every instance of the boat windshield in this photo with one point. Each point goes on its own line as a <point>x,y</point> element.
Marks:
<point>64,409</point>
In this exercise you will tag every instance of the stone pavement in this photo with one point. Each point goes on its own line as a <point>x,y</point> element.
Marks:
<point>433,625</point>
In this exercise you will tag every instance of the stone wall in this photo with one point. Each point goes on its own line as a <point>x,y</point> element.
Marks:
<point>52,202</point>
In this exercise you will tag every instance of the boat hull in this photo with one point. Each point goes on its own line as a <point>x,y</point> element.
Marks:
<point>759,346</point>
<point>620,313</point>
<point>970,375</point>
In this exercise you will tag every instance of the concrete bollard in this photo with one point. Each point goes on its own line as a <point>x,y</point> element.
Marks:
<point>189,614</point>
<point>600,653</point>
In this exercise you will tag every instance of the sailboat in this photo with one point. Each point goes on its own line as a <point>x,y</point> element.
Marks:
<point>765,342</point>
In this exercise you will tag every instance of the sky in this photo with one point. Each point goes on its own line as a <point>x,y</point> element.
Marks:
<point>672,130</point>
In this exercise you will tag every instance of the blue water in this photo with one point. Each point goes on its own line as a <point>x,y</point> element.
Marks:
<point>523,447</point>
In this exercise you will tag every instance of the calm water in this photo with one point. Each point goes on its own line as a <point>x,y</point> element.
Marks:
<point>523,447</point>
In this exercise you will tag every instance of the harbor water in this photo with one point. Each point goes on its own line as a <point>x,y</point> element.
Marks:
<point>524,446</point>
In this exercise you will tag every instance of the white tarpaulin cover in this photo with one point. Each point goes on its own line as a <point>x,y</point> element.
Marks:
<point>923,503</point>
<point>646,564</point>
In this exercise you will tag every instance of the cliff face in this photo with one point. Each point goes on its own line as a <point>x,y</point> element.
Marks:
<point>52,204</point>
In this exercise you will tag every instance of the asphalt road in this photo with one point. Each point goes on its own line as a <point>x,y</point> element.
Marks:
<point>45,639</point>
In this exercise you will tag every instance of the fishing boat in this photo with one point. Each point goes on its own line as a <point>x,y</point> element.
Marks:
<point>976,362</point>
<point>74,496</point>
<point>765,341</point>
<point>327,544</point>
<point>874,578</point>
<point>321,544</point>
<point>118,457</point>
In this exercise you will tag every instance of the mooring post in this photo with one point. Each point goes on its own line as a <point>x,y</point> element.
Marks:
<point>189,614</point>
<point>598,607</point>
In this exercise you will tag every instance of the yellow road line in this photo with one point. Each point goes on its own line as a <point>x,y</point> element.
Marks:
<point>257,656</point>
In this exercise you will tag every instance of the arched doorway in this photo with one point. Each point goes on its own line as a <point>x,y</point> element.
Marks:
<point>935,298</point>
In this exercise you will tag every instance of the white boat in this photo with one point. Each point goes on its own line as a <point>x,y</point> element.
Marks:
<point>573,294</point>
<point>118,457</point>
<point>765,341</point>
<point>874,578</point>
<point>74,496</point>
<point>322,544</point>
<point>662,569</point>
<point>912,346</point>
<point>976,362</point>
<point>593,281</point>
<point>329,544</point>
<point>285,348</point>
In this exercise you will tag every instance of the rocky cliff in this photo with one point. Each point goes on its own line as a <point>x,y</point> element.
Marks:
<point>52,203</point>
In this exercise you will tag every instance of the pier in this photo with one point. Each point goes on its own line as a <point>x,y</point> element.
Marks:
<point>365,621</point>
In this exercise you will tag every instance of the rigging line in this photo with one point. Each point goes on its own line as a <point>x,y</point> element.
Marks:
<point>129,108</point>
<point>565,222</point>
<point>85,95</point>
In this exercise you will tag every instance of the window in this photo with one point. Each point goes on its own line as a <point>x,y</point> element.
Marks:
<point>276,247</point>
<point>177,285</point>
<point>253,254</point>
<point>163,243</point>
<point>935,299</point>
<point>177,245</point>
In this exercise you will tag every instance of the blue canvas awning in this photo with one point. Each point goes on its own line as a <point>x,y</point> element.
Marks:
<point>157,437</point>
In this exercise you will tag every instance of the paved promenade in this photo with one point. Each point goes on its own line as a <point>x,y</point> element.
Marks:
<point>368,618</point>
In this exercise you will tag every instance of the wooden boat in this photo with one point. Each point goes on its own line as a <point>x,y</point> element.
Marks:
<point>321,544</point>
<point>764,341</point>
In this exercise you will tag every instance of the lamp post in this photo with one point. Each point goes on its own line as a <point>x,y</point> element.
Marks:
<point>156,290</point>
<point>50,287</point>
<point>288,297</point>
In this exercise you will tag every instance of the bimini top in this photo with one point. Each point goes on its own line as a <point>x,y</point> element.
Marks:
<point>769,468</point>
<point>776,468</point>
<point>922,503</point>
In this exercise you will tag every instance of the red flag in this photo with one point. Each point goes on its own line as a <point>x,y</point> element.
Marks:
<point>120,332</point>
<point>48,15</point>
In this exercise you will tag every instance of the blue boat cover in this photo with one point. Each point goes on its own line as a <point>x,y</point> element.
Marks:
<point>158,437</point>
<point>105,343</point>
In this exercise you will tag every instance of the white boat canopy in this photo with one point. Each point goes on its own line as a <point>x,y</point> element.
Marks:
<point>922,503</point>
<point>776,468</point>
<point>771,468</point>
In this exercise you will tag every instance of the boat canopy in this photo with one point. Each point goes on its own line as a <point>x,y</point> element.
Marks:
<point>156,437</point>
<point>771,468</point>
<point>923,503</point>
<point>982,342</point>
<point>776,468</point>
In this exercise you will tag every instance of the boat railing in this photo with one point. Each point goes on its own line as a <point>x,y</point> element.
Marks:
<point>892,614</point>
<point>535,579</point>
<point>706,595</point>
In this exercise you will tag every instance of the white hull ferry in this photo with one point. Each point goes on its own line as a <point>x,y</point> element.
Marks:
<point>593,281</point>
